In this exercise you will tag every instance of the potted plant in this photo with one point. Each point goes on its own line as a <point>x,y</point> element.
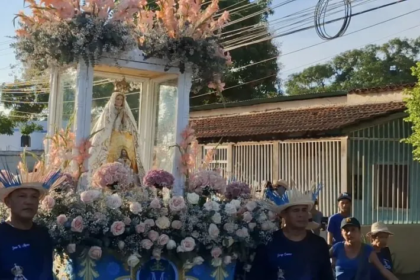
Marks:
<point>27,129</point>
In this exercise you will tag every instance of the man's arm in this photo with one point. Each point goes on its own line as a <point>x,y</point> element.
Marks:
<point>330,225</point>
<point>259,269</point>
<point>325,272</point>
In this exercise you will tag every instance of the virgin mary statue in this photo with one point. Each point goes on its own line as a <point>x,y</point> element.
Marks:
<point>115,137</point>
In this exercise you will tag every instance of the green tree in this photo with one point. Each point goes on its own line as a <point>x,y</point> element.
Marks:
<point>413,110</point>
<point>6,125</point>
<point>371,66</point>
<point>246,55</point>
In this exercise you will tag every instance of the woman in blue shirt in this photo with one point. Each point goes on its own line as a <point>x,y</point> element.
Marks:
<point>379,235</point>
<point>352,258</point>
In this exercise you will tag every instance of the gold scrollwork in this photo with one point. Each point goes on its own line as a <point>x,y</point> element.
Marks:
<point>88,271</point>
<point>220,273</point>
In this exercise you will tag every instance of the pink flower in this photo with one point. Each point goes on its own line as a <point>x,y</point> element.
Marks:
<point>188,244</point>
<point>117,228</point>
<point>95,252</point>
<point>89,196</point>
<point>77,224</point>
<point>216,252</point>
<point>176,224</point>
<point>140,228</point>
<point>242,232</point>
<point>236,190</point>
<point>163,239</point>
<point>207,179</point>
<point>176,203</point>
<point>135,208</point>
<point>153,235</point>
<point>48,203</point>
<point>61,219</point>
<point>213,231</point>
<point>146,244</point>
<point>127,221</point>
<point>159,179</point>
<point>155,203</point>
<point>247,217</point>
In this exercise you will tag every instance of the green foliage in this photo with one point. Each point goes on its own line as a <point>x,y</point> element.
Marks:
<point>359,68</point>
<point>29,128</point>
<point>6,125</point>
<point>244,56</point>
<point>413,110</point>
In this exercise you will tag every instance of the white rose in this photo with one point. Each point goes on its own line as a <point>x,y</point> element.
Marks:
<point>121,245</point>
<point>229,227</point>
<point>230,209</point>
<point>198,260</point>
<point>214,231</point>
<point>171,245</point>
<point>251,205</point>
<point>227,260</point>
<point>216,218</point>
<point>262,217</point>
<point>193,198</point>
<point>135,208</point>
<point>114,201</point>
<point>242,232</point>
<point>133,261</point>
<point>236,202</point>
<point>163,223</point>
<point>212,206</point>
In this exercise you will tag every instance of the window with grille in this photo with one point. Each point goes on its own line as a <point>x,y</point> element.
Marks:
<point>392,186</point>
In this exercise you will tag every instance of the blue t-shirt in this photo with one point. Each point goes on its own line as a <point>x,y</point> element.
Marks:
<point>285,259</point>
<point>385,258</point>
<point>25,253</point>
<point>334,227</point>
<point>345,268</point>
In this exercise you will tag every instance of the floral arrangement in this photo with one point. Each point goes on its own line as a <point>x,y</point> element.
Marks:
<point>159,179</point>
<point>115,176</point>
<point>237,190</point>
<point>184,33</point>
<point>206,183</point>
<point>140,225</point>
<point>62,32</point>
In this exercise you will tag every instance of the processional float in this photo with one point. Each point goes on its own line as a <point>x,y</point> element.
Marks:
<point>113,229</point>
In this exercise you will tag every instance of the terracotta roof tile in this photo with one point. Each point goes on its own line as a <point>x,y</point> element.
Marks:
<point>292,121</point>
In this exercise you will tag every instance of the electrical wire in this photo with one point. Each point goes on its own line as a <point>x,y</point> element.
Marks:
<point>320,16</point>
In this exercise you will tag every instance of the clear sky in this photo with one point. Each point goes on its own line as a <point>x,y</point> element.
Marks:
<point>294,62</point>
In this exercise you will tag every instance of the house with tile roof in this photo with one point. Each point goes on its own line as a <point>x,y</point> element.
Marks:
<point>347,141</point>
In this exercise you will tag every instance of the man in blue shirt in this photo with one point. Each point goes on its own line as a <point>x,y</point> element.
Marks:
<point>334,222</point>
<point>294,253</point>
<point>26,249</point>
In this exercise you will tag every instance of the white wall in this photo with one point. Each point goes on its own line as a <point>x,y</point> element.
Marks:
<point>12,142</point>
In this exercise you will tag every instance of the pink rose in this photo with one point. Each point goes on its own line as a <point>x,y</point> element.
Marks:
<point>135,208</point>
<point>140,228</point>
<point>146,244</point>
<point>155,203</point>
<point>117,228</point>
<point>89,196</point>
<point>176,203</point>
<point>163,239</point>
<point>242,232</point>
<point>213,231</point>
<point>95,252</point>
<point>176,224</point>
<point>188,244</point>
<point>149,222</point>
<point>127,221</point>
<point>48,203</point>
<point>71,248</point>
<point>153,235</point>
<point>61,219</point>
<point>216,252</point>
<point>77,224</point>
<point>247,217</point>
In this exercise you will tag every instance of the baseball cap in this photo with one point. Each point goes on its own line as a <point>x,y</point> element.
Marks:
<point>351,221</point>
<point>344,196</point>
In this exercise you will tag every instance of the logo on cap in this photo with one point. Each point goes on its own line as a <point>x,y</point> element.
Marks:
<point>348,220</point>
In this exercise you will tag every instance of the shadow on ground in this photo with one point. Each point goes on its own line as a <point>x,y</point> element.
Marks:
<point>411,276</point>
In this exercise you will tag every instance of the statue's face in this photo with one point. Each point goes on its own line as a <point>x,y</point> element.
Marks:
<point>124,153</point>
<point>119,100</point>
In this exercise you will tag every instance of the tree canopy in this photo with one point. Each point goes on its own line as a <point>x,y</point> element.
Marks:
<point>413,109</point>
<point>371,66</point>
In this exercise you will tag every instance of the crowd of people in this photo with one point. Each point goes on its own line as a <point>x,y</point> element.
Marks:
<point>296,251</point>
